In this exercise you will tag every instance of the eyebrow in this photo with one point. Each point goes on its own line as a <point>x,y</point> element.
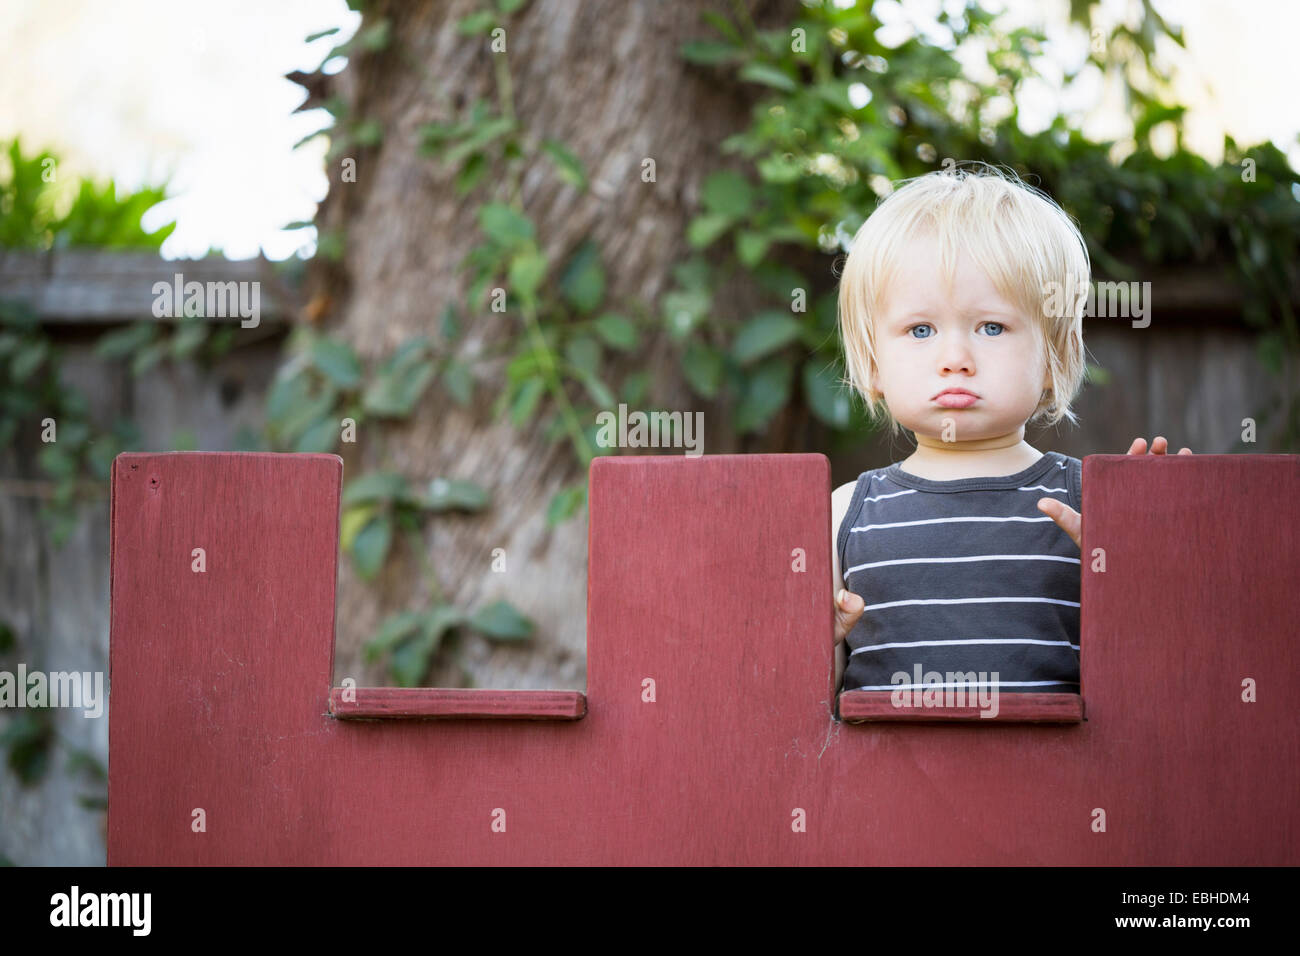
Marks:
<point>1003,313</point>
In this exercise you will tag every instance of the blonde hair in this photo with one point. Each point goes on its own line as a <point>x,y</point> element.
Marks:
<point>1024,242</point>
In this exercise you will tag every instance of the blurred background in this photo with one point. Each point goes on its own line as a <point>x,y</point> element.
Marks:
<point>471,226</point>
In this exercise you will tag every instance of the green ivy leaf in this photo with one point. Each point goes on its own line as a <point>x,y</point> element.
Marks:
<point>727,193</point>
<point>125,341</point>
<point>477,23</point>
<point>767,75</point>
<point>527,270</point>
<point>394,628</point>
<point>704,229</point>
<point>299,417</point>
<point>370,547</point>
<point>450,324</point>
<point>28,360</point>
<point>683,309</point>
<point>351,523</point>
<point>635,387</point>
<point>525,365</point>
<point>447,494</point>
<point>616,331</point>
<point>506,226</point>
<point>378,487</point>
<point>56,461</point>
<point>500,621</point>
<point>29,737</point>
<point>766,392</point>
<point>751,247</point>
<point>567,166</point>
<point>148,357</point>
<point>188,337</point>
<point>320,437</point>
<point>702,367</point>
<point>410,660</point>
<point>600,392</point>
<point>287,392</point>
<point>583,353</point>
<point>525,402</point>
<point>458,382</point>
<point>337,361</point>
<point>400,382</point>
<point>827,399</point>
<point>583,282</point>
<point>564,503</point>
<point>765,333</point>
<point>421,636</point>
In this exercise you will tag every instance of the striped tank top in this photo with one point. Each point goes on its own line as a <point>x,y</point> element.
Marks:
<point>963,576</point>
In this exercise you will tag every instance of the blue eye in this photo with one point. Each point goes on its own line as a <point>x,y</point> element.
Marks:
<point>925,325</point>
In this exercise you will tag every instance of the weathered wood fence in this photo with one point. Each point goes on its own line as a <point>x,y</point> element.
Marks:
<point>56,598</point>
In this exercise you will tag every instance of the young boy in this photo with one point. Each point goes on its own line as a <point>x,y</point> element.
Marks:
<point>961,312</point>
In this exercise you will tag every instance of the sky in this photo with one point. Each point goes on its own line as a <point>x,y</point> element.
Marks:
<point>139,90</point>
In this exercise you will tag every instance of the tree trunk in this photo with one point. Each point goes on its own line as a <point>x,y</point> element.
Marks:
<point>606,79</point>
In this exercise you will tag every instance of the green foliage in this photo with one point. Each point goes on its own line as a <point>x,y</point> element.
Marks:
<point>36,403</point>
<point>38,408</point>
<point>324,383</point>
<point>814,160</point>
<point>411,639</point>
<point>377,504</point>
<point>31,196</point>
<point>29,738</point>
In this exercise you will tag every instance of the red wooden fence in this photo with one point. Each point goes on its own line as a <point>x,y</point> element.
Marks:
<point>221,696</point>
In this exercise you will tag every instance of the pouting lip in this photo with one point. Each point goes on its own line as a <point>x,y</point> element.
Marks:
<point>955,391</point>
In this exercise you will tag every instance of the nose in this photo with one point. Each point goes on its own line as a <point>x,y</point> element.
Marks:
<point>955,356</point>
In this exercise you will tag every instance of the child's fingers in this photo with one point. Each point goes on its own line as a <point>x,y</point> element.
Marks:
<point>848,608</point>
<point>1069,520</point>
<point>1159,446</point>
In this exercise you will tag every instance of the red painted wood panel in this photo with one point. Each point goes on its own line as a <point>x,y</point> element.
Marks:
<point>221,687</point>
<point>371,703</point>
<point>864,705</point>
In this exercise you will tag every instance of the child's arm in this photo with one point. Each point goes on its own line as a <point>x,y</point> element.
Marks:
<point>1069,519</point>
<point>845,618</point>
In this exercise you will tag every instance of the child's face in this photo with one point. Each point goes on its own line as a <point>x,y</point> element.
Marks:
<point>929,338</point>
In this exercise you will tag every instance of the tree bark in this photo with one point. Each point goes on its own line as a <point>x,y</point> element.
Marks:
<point>606,79</point>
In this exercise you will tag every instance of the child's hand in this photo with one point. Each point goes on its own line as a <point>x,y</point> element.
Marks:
<point>848,608</point>
<point>1069,519</point>
<point>1158,447</point>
